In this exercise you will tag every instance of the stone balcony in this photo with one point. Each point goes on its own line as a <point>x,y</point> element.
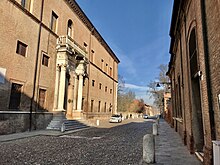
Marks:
<point>71,45</point>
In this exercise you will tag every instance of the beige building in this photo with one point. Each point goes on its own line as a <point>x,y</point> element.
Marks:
<point>52,60</point>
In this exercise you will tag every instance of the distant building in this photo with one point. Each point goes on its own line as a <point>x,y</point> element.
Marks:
<point>194,72</point>
<point>52,60</point>
<point>167,112</point>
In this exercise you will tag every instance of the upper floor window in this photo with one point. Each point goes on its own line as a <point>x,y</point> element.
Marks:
<point>110,71</point>
<point>106,67</point>
<point>70,28</point>
<point>100,86</point>
<point>85,46</point>
<point>26,4</point>
<point>21,48</point>
<point>102,64</point>
<point>93,83</point>
<point>111,91</point>
<point>106,89</point>
<point>54,19</point>
<point>92,102</point>
<point>45,60</point>
<point>92,55</point>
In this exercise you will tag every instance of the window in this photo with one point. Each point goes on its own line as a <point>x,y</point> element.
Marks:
<point>42,98</point>
<point>100,86</point>
<point>93,83</point>
<point>21,48</point>
<point>106,68</point>
<point>106,89</point>
<point>45,60</point>
<point>92,55</point>
<point>85,46</point>
<point>53,25</point>
<point>69,28</point>
<point>82,103</point>
<point>92,102</point>
<point>102,64</point>
<point>110,71</point>
<point>110,91</point>
<point>26,4</point>
<point>105,107</point>
<point>15,97</point>
<point>99,107</point>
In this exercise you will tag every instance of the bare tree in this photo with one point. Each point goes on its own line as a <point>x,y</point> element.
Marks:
<point>155,92</point>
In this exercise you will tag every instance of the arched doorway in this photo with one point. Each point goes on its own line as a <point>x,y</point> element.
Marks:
<point>197,122</point>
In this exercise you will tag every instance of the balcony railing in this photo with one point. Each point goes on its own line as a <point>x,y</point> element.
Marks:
<point>66,41</point>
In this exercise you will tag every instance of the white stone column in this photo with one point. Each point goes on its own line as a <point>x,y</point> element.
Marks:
<point>56,91</point>
<point>70,95</point>
<point>75,91</point>
<point>62,87</point>
<point>80,91</point>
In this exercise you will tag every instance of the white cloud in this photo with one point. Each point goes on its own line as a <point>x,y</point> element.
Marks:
<point>132,86</point>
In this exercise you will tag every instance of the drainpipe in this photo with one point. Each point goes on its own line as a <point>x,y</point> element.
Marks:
<point>36,68</point>
<point>90,48</point>
<point>207,67</point>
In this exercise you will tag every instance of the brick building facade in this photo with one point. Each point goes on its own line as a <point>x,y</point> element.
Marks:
<point>52,60</point>
<point>194,72</point>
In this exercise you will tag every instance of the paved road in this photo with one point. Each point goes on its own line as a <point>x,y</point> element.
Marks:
<point>119,145</point>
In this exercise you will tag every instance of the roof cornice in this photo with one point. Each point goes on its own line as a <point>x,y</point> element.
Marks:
<point>82,16</point>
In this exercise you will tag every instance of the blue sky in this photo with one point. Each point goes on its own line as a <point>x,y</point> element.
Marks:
<point>138,33</point>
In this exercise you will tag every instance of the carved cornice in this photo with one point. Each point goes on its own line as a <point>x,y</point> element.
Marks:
<point>78,11</point>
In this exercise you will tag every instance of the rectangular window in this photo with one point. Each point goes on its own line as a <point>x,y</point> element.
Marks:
<point>102,64</point>
<point>106,89</point>
<point>105,107</point>
<point>110,71</point>
<point>41,99</point>
<point>15,97</point>
<point>100,86</point>
<point>93,83</point>
<point>92,102</point>
<point>82,103</point>
<point>45,60</point>
<point>92,55</point>
<point>106,68</point>
<point>85,46</point>
<point>21,48</point>
<point>26,4</point>
<point>110,91</point>
<point>53,25</point>
<point>99,107</point>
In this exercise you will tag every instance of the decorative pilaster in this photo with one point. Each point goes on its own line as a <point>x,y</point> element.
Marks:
<point>62,87</point>
<point>75,92</point>
<point>56,87</point>
<point>80,91</point>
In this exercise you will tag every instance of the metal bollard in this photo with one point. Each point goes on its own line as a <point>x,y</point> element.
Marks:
<point>97,122</point>
<point>149,148</point>
<point>63,128</point>
<point>158,121</point>
<point>155,129</point>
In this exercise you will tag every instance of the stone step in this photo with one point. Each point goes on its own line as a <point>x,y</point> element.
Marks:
<point>65,125</point>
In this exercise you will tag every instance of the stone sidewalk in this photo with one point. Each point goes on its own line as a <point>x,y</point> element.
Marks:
<point>170,149</point>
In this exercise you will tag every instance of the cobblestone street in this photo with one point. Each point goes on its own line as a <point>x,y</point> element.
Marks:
<point>120,144</point>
